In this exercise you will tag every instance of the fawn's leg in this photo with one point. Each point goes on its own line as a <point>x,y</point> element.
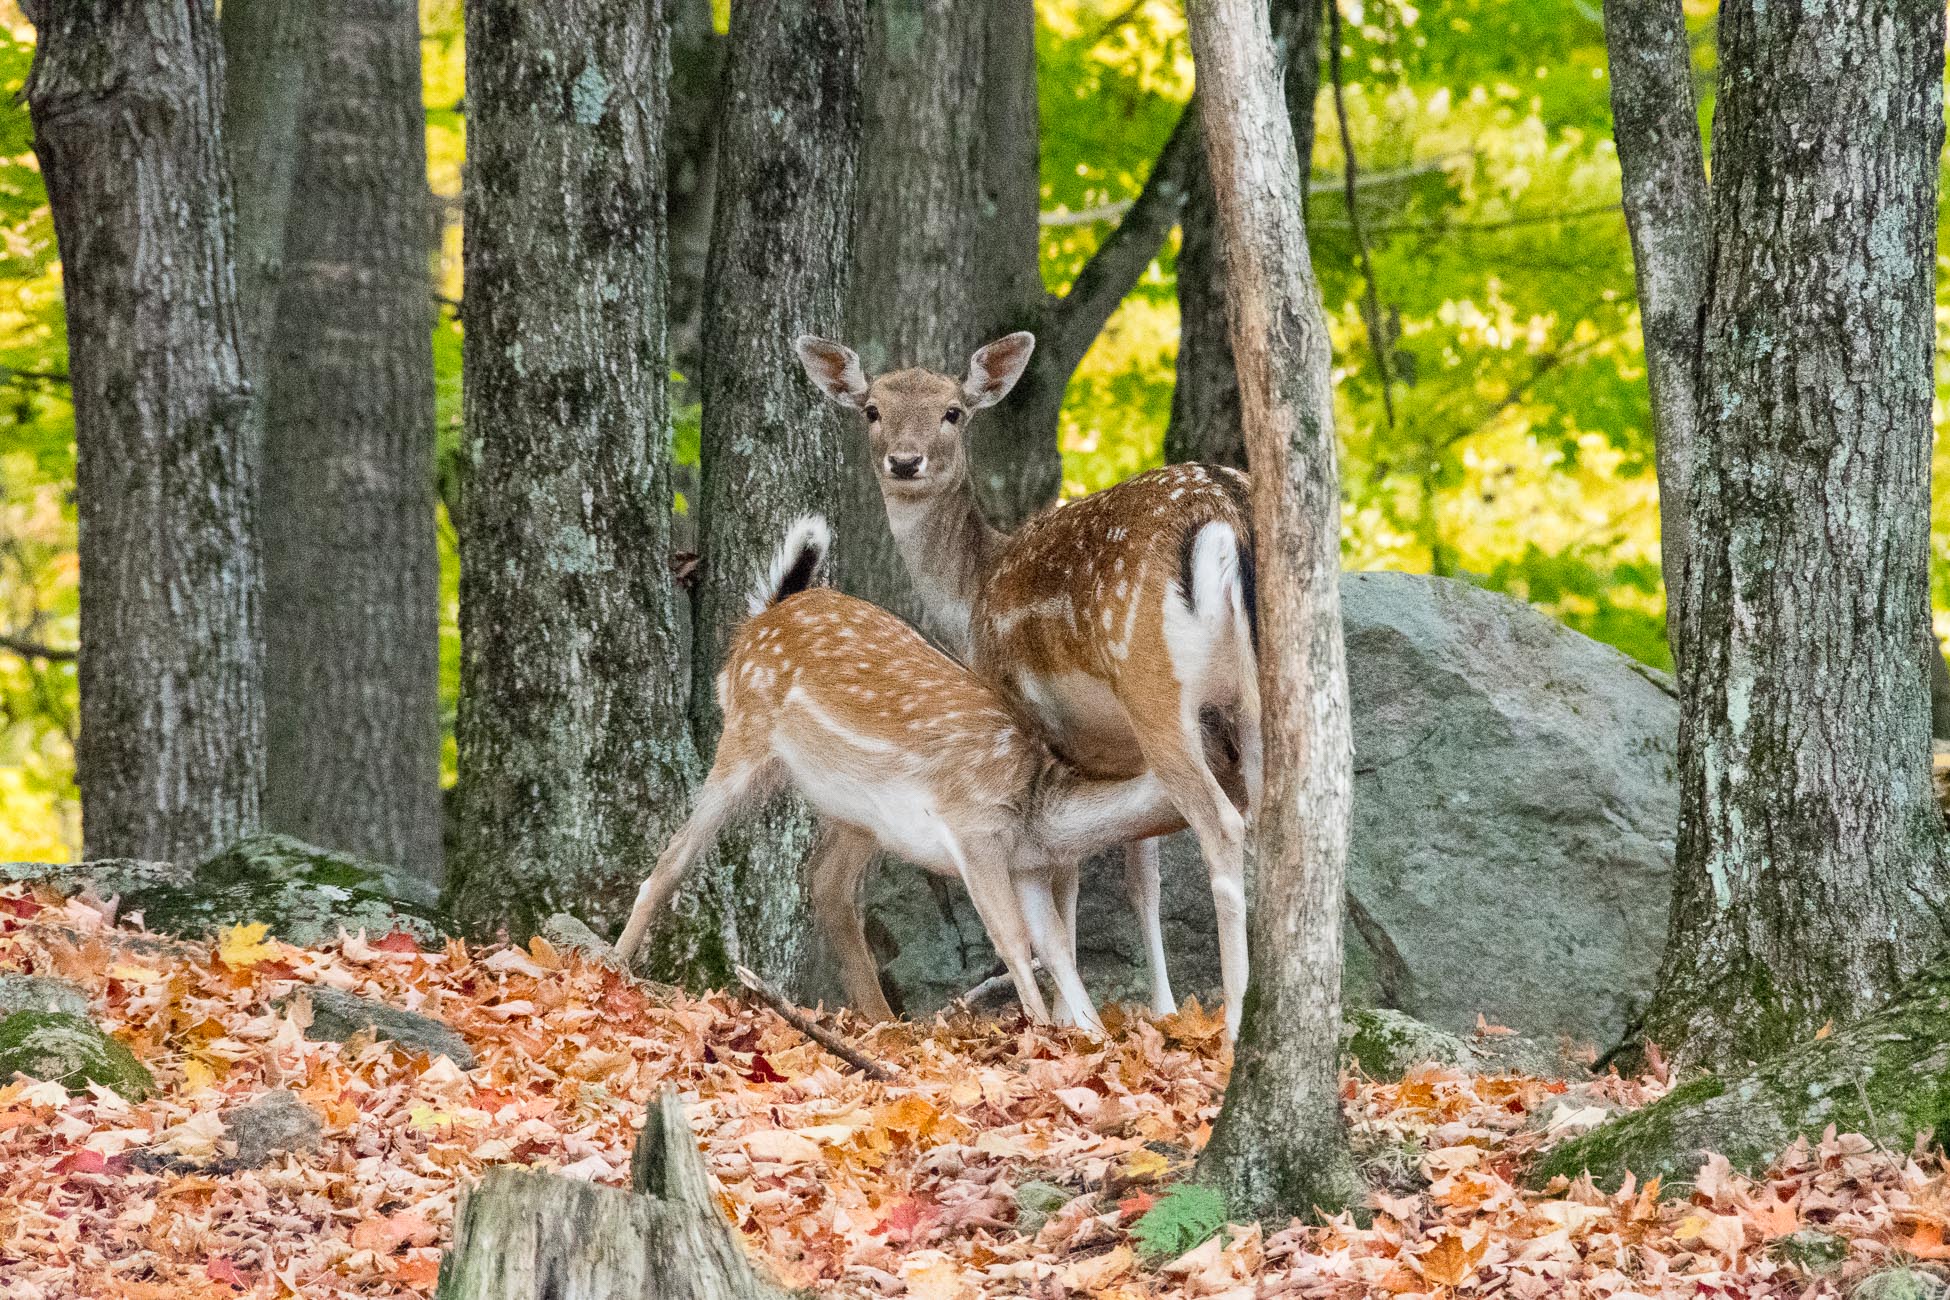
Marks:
<point>724,791</point>
<point>1142,889</point>
<point>985,873</point>
<point>839,863</point>
<point>1046,934</point>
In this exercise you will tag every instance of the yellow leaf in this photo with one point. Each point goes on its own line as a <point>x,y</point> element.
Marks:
<point>243,945</point>
<point>426,1119</point>
<point>197,1075</point>
<point>129,973</point>
<point>1143,1165</point>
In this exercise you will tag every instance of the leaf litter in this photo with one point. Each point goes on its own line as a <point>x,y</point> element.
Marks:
<point>1006,1160</point>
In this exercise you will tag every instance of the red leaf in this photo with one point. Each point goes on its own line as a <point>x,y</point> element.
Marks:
<point>85,1161</point>
<point>220,1269</point>
<point>1133,1206</point>
<point>24,908</point>
<point>762,1071</point>
<point>397,941</point>
<point>907,1217</point>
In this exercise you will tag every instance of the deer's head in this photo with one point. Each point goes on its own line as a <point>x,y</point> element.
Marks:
<point>917,420</point>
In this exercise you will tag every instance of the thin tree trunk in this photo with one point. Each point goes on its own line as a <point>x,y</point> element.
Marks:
<point>126,97</point>
<point>575,751</point>
<point>1280,1145</point>
<point>697,55</point>
<point>267,69</point>
<point>1811,872</point>
<point>772,448</point>
<point>1656,124</point>
<point>1205,421</point>
<point>351,567</point>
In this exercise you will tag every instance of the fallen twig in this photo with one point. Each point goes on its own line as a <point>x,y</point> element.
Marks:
<point>995,986</point>
<point>812,1029</point>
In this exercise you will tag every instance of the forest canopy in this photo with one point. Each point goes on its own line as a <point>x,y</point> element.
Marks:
<point>1510,445</point>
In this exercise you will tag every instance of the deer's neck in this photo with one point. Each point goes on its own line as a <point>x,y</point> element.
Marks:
<point>949,550</point>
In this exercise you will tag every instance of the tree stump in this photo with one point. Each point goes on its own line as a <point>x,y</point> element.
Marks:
<point>521,1235</point>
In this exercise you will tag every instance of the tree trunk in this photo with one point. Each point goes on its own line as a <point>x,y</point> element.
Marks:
<point>772,448</point>
<point>1280,1145</point>
<point>574,747</point>
<point>697,55</point>
<point>125,99</point>
<point>1205,422</point>
<point>1811,867</point>
<point>1887,1077</point>
<point>1656,125</point>
<point>351,567</point>
<point>521,1235</point>
<point>267,69</point>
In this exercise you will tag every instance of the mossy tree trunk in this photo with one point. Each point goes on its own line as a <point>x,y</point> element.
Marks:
<point>772,449</point>
<point>126,98</point>
<point>1656,125</point>
<point>351,568</point>
<point>1280,1145</point>
<point>1811,877</point>
<point>1887,1076</point>
<point>575,747</point>
<point>1205,422</point>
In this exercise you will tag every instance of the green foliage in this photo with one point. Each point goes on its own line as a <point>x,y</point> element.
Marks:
<point>1186,1216</point>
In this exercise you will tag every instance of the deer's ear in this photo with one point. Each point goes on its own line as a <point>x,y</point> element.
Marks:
<point>834,370</point>
<point>995,368</point>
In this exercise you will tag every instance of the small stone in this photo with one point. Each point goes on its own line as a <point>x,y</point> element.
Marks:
<point>1812,1250</point>
<point>40,993</point>
<point>569,933</point>
<point>275,1124</point>
<point>1036,1200</point>
<point>71,1051</point>
<point>337,1015</point>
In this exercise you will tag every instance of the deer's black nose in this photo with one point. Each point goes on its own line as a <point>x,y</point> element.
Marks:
<point>905,466</point>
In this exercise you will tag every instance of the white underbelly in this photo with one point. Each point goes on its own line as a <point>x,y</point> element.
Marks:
<point>900,813</point>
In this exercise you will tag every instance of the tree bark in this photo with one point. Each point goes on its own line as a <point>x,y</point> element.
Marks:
<point>575,751</point>
<point>1811,872</point>
<point>1280,1145</point>
<point>125,97</point>
<point>1656,125</point>
<point>1887,1077</point>
<point>351,566</point>
<point>772,449</point>
<point>697,55</point>
<point>1205,420</point>
<point>267,70</point>
<point>521,1235</point>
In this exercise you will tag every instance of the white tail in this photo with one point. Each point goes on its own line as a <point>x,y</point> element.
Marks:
<point>898,747</point>
<point>1118,622</point>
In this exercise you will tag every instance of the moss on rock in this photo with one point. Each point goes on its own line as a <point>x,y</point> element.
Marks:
<point>304,893</point>
<point>1887,1076</point>
<point>71,1051</point>
<point>1388,1044</point>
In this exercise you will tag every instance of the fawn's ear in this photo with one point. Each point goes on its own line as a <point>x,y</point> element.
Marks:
<point>834,370</point>
<point>995,368</point>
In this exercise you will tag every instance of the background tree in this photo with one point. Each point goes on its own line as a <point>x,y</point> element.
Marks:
<point>351,573</point>
<point>771,450</point>
<point>1280,1145</point>
<point>267,69</point>
<point>1811,867</point>
<point>575,748</point>
<point>1205,419</point>
<point>126,99</point>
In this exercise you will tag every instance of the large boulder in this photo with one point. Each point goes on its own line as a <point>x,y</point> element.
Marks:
<point>304,893</point>
<point>71,1051</point>
<point>1515,802</point>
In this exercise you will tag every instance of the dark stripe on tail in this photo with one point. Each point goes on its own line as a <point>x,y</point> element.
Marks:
<point>799,574</point>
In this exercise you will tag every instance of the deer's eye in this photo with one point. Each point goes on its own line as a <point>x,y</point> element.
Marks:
<point>873,414</point>
<point>952,414</point>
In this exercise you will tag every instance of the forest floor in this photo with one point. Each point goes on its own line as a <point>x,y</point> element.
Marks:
<point>1004,1161</point>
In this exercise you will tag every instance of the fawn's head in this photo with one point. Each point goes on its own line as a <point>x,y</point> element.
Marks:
<point>917,419</point>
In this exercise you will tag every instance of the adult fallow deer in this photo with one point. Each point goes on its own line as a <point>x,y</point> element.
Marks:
<point>1119,622</point>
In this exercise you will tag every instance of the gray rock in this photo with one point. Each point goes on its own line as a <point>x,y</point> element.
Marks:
<point>40,993</point>
<point>337,1015</point>
<point>272,1125</point>
<point>570,933</point>
<point>1389,1044</point>
<point>305,894</point>
<point>1515,807</point>
<point>71,1051</point>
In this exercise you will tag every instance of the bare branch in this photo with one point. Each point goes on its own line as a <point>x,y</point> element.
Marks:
<point>30,649</point>
<point>1370,301</point>
<point>812,1029</point>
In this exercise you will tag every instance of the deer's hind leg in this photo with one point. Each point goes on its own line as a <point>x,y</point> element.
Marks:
<point>731,785</point>
<point>838,866</point>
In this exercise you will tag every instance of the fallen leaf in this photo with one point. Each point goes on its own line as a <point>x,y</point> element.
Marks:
<point>243,946</point>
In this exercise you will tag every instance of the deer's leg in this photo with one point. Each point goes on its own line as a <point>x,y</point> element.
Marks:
<point>839,863</point>
<point>985,873</point>
<point>1046,934</point>
<point>1065,879</point>
<point>724,791</point>
<point>1141,887</point>
<point>1174,749</point>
